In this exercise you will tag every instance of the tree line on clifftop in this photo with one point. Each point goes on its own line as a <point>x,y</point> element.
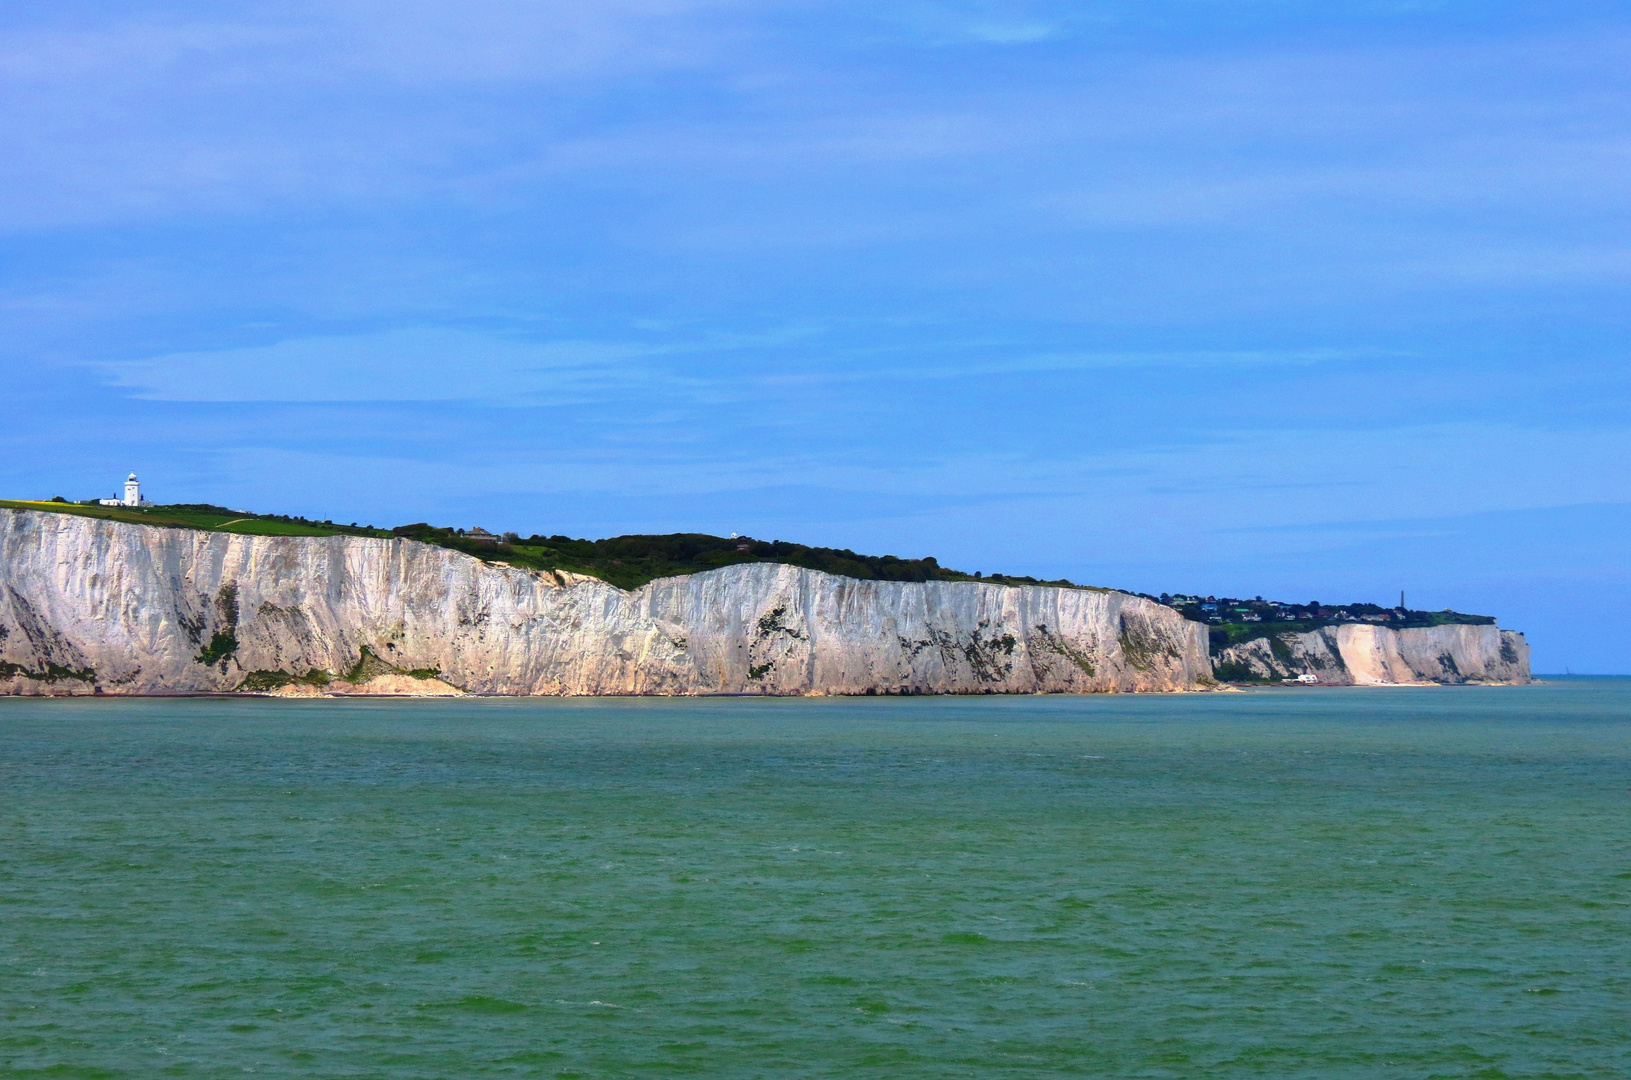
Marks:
<point>631,561</point>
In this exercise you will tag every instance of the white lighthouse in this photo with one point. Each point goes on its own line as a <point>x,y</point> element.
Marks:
<point>133,494</point>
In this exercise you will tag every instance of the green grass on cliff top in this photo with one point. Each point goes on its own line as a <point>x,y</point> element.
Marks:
<point>207,518</point>
<point>625,561</point>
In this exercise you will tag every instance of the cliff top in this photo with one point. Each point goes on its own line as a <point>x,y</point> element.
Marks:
<point>625,561</point>
<point>631,561</point>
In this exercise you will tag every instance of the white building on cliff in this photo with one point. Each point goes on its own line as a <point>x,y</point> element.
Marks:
<point>133,495</point>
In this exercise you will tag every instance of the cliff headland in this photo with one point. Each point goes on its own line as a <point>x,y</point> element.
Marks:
<point>93,604</point>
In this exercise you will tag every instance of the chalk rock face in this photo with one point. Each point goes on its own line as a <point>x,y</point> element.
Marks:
<point>1365,655</point>
<point>88,605</point>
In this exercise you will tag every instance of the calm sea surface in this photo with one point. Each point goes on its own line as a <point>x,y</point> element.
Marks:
<point>1294,883</point>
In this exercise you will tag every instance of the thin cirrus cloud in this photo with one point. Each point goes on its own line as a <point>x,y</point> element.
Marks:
<point>412,42</point>
<point>423,364</point>
<point>296,118</point>
<point>407,364</point>
<point>263,107</point>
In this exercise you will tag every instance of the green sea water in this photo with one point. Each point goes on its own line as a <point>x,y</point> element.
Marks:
<point>1289,883</point>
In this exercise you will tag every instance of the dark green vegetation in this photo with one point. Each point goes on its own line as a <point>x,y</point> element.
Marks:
<point>630,561</point>
<point>261,682</point>
<point>368,666</point>
<point>224,642</point>
<point>222,645</point>
<point>51,673</point>
<point>1233,673</point>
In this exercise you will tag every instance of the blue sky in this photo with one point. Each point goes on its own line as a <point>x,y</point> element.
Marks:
<point>1307,300</point>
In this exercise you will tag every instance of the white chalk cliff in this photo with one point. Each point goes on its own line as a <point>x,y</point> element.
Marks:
<point>95,606</point>
<point>1357,654</point>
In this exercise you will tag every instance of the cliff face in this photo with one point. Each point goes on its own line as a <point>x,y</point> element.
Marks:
<point>89,605</point>
<point>1361,655</point>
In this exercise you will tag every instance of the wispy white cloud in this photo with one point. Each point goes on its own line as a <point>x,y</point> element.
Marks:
<point>1011,33</point>
<point>399,365</point>
<point>411,41</point>
<point>419,364</point>
<point>357,106</point>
